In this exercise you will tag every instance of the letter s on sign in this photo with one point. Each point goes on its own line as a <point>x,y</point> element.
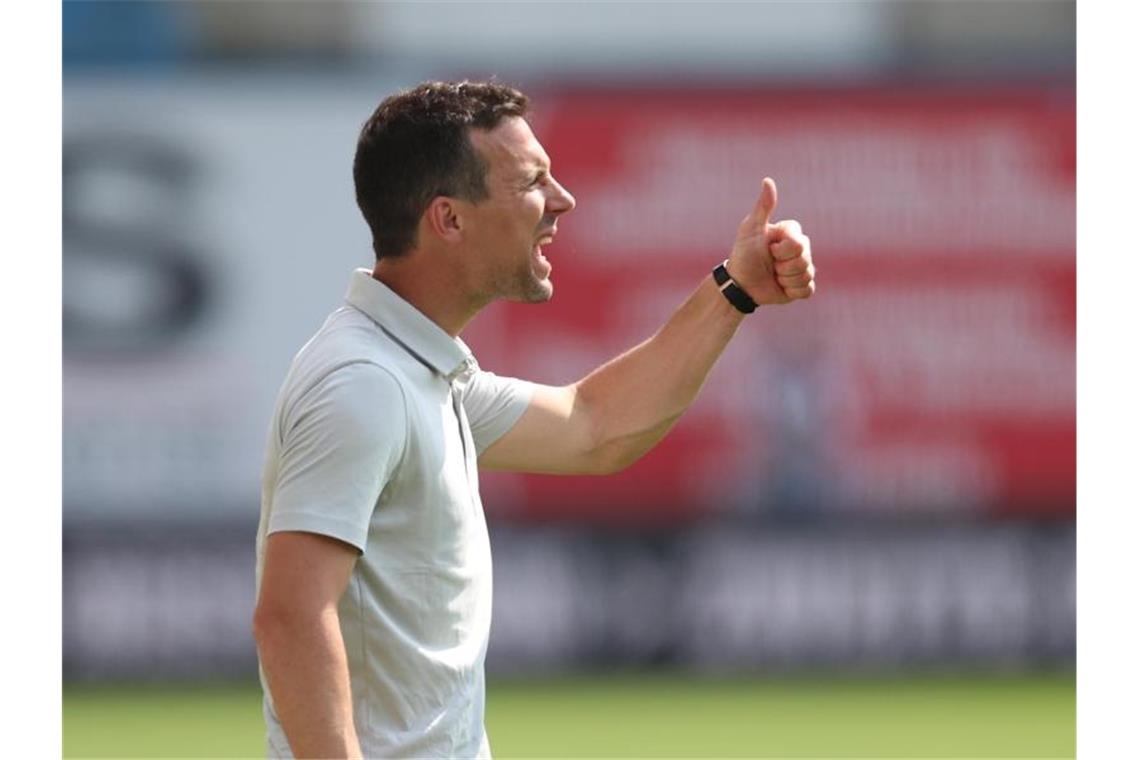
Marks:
<point>132,284</point>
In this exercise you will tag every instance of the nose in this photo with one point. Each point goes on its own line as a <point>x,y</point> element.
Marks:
<point>560,200</point>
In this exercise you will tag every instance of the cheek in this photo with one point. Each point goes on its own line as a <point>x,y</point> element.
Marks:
<point>497,225</point>
<point>536,206</point>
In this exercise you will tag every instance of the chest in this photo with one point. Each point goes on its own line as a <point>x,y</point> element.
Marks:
<point>430,515</point>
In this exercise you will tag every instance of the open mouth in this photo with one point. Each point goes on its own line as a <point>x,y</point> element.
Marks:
<point>541,264</point>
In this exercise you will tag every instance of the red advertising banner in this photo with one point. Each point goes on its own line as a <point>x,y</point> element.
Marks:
<point>933,372</point>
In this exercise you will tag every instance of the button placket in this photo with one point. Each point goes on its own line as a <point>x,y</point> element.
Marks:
<point>457,382</point>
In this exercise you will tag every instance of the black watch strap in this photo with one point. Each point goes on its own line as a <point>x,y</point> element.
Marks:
<point>733,292</point>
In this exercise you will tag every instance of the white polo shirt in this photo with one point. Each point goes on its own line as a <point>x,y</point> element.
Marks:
<point>374,442</point>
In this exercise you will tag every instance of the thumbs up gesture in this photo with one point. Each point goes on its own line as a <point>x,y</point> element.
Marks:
<point>771,261</point>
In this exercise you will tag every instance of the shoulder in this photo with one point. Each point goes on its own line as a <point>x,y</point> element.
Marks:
<point>349,336</point>
<point>355,410</point>
<point>349,349</point>
<point>359,390</point>
<point>348,376</point>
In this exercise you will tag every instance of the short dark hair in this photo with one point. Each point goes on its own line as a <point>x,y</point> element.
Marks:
<point>416,146</point>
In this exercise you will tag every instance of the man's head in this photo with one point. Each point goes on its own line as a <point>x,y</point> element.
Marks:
<point>457,163</point>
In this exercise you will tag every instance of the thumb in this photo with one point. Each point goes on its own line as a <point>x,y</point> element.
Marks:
<point>765,204</point>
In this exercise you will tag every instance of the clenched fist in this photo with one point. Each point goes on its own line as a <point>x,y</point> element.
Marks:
<point>771,262</point>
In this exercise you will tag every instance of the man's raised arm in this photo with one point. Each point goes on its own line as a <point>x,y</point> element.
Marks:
<point>618,412</point>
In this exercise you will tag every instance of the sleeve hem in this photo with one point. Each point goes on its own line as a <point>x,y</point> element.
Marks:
<point>322,525</point>
<point>525,393</point>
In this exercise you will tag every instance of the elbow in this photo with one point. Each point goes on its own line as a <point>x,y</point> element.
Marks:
<point>270,624</point>
<point>601,452</point>
<point>282,621</point>
<point>611,459</point>
<point>606,455</point>
<point>611,455</point>
<point>264,623</point>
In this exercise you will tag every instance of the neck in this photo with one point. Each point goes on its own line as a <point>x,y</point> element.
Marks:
<point>435,289</point>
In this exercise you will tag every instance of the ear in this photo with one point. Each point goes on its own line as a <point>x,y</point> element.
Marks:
<point>443,219</point>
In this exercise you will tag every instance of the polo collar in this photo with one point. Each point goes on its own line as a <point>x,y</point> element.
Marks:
<point>407,325</point>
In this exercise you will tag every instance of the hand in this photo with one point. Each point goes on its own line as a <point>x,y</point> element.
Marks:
<point>772,262</point>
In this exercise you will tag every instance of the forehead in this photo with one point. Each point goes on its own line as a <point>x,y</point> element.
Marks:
<point>510,147</point>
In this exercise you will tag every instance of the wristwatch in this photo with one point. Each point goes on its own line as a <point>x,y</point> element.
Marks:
<point>733,292</point>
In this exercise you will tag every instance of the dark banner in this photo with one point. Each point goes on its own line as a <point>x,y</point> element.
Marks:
<point>176,602</point>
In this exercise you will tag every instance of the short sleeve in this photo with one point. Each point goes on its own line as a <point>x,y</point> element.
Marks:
<point>340,445</point>
<point>493,405</point>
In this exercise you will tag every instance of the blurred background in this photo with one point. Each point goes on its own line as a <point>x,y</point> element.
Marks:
<point>859,541</point>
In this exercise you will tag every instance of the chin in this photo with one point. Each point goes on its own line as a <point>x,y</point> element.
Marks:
<point>544,293</point>
<point>531,289</point>
<point>536,291</point>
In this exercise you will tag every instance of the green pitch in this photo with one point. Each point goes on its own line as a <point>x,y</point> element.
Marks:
<point>657,716</point>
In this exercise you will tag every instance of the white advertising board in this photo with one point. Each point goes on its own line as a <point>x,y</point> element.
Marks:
<point>209,226</point>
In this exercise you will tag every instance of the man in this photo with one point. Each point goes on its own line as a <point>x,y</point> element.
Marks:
<point>374,570</point>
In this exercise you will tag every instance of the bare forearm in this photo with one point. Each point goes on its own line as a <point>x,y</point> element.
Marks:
<point>637,397</point>
<point>307,671</point>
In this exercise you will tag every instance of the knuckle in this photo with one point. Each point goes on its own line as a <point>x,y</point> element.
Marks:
<point>795,281</point>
